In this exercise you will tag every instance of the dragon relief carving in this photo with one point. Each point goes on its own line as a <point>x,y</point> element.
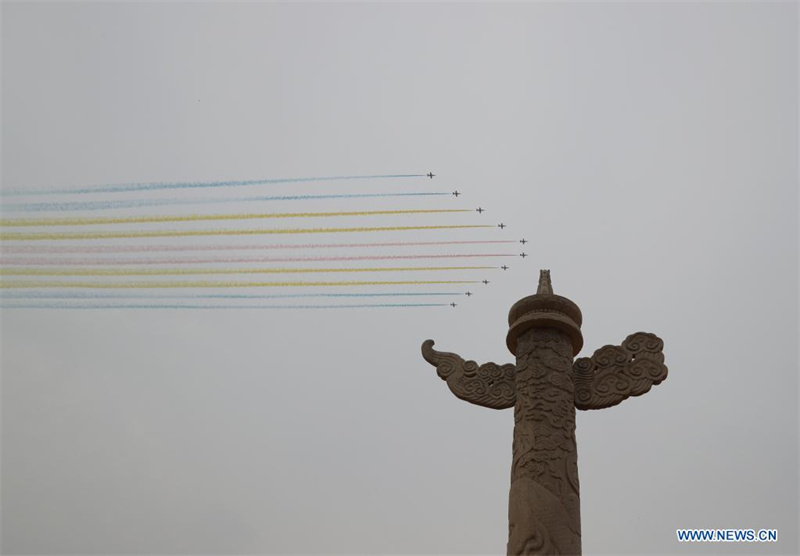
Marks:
<point>545,459</point>
<point>615,373</point>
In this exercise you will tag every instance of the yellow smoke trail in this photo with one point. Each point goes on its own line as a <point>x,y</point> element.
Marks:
<point>192,271</point>
<point>204,284</point>
<point>22,236</point>
<point>206,217</point>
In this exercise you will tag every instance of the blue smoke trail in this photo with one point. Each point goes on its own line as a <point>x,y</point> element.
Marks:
<point>92,295</point>
<point>156,306</point>
<point>141,203</point>
<point>127,187</point>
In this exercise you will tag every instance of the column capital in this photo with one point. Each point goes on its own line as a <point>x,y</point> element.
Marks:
<point>544,309</point>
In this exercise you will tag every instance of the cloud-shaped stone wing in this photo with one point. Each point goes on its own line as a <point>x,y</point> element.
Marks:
<point>615,373</point>
<point>488,385</point>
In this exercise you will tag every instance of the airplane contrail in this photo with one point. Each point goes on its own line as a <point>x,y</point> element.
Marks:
<point>207,271</point>
<point>228,260</point>
<point>143,203</point>
<point>36,294</point>
<point>152,186</point>
<point>217,284</point>
<point>81,221</point>
<point>182,306</point>
<point>29,249</point>
<point>21,236</point>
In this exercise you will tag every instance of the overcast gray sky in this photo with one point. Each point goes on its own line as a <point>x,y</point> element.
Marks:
<point>647,151</point>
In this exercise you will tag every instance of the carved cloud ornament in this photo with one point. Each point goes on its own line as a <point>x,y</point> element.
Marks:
<point>615,373</point>
<point>488,385</point>
<point>607,378</point>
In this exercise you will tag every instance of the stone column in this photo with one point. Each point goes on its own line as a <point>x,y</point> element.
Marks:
<point>545,387</point>
<point>544,502</point>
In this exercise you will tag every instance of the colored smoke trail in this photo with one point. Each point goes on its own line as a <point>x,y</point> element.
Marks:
<point>144,203</point>
<point>226,260</point>
<point>206,271</point>
<point>15,236</point>
<point>51,249</point>
<point>96,295</point>
<point>219,284</point>
<point>181,306</point>
<point>152,186</point>
<point>20,222</point>
<point>94,283</point>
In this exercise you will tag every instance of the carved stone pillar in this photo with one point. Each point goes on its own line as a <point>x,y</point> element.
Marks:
<point>543,505</point>
<point>544,515</point>
<point>544,388</point>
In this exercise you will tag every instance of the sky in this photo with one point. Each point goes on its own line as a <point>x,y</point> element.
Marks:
<point>647,152</point>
